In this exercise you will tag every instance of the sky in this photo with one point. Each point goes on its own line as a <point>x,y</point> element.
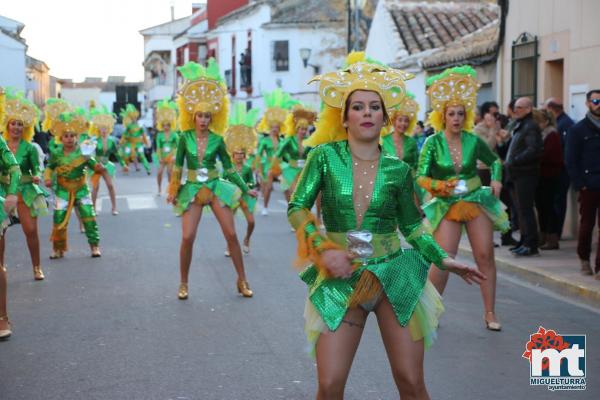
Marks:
<point>81,38</point>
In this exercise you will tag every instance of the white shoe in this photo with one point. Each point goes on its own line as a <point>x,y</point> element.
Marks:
<point>227,253</point>
<point>115,212</point>
<point>246,249</point>
<point>264,212</point>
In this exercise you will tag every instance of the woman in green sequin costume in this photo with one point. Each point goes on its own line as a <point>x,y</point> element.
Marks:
<point>8,202</point>
<point>358,266</point>
<point>134,138</point>
<point>400,142</point>
<point>203,109</point>
<point>291,151</point>
<point>69,164</point>
<point>21,117</point>
<point>166,140</point>
<point>278,103</point>
<point>102,124</point>
<point>240,140</point>
<point>448,170</point>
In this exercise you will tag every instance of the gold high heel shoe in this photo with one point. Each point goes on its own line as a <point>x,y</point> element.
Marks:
<point>96,252</point>
<point>244,289</point>
<point>5,333</point>
<point>492,326</point>
<point>38,274</point>
<point>56,254</point>
<point>183,291</point>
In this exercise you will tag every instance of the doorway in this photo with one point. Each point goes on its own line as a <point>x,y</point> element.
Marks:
<point>553,84</point>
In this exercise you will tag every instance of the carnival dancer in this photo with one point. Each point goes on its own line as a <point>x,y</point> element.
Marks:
<point>358,266</point>
<point>101,127</point>
<point>399,140</point>
<point>18,130</point>
<point>278,103</point>
<point>203,110</point>
<point>70,164</point>
<point>166,139</point>
<point>448,170</point>
<point>134,138</point>
<point>291,151</point>
<point>240,140</point>
<point>10,167</point>
<point>52,109</point>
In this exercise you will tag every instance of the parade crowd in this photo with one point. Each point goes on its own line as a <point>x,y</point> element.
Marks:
<point>372,171</point>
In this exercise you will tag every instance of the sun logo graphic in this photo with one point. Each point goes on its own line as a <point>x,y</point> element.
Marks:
<point>556,361</point>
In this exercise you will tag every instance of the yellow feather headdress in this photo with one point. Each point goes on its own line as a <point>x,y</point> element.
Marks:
<point>166,113</point>
<point>455,86</point>
<point>101,119</point>
<point>300,117</point>
<point>17,107</point>
<point>360,73</point>
<point>203,90</point>
<point>410,108</point>
<point>71,121</point>
<point>241,135</point>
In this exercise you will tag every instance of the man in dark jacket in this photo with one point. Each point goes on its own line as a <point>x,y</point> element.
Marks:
<point>563,123</point>
<point>583,164</point>
<point>523,167</point>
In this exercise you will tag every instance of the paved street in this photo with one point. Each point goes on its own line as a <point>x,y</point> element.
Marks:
<point>112,328</point>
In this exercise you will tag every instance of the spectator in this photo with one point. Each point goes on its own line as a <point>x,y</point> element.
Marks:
<point>507,194</point>
<point>489,107</point>
<point>563,123</point>
<point>550,167</point>
<point>523,167</point>
<point>487,129</point>
<point>583,164</point>
<point>420,134</point>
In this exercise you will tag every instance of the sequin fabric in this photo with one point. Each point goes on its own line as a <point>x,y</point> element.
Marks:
<point>402,274</point>
<point>436,162</point>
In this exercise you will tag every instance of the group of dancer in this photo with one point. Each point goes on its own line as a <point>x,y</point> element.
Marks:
<point>360,164</point>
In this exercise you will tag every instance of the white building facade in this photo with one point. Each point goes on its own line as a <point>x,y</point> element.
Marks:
<point>270,49</point>
<point>13,51</point>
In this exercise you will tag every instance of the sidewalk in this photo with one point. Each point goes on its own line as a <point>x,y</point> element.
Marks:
<point>556,270</point>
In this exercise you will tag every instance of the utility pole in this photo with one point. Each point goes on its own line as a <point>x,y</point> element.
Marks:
<point>356,46</point>
<point>349,18</point>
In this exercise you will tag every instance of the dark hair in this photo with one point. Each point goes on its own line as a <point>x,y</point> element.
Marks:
<point>503,119</point>
<point>386,117</point>
<point>511,104</point>
<point>589,94</point>
<point>486,106</point>
<point>420,123</point>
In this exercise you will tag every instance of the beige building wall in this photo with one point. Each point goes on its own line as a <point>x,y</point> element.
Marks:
<point>569,34</point>
<point>569,54</point>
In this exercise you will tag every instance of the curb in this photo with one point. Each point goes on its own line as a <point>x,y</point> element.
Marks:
<point>568,289</point>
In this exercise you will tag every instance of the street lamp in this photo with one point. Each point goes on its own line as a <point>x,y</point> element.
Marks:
<point>305,55</point>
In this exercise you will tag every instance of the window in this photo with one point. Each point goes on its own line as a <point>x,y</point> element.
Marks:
<point>281,56</point>
<point>524,67</point>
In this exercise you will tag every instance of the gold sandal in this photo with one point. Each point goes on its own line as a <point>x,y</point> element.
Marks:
<point>5,333</point>
<point>183,291</point>
<point>244,289</point>
<point>492,326</point>
<point>38,274</point>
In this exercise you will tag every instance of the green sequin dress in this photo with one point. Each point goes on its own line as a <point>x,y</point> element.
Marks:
<point>247,176</point>
<point>402,273</point>
<point>410,155</point>
<point>291,161</point>
<point>34,196</point>
<point>103,154</point>
<point>9,167</point>
<point>435,162</point>
<point>166,148</point>
<point>264,155</point>
<point>187,153</point>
